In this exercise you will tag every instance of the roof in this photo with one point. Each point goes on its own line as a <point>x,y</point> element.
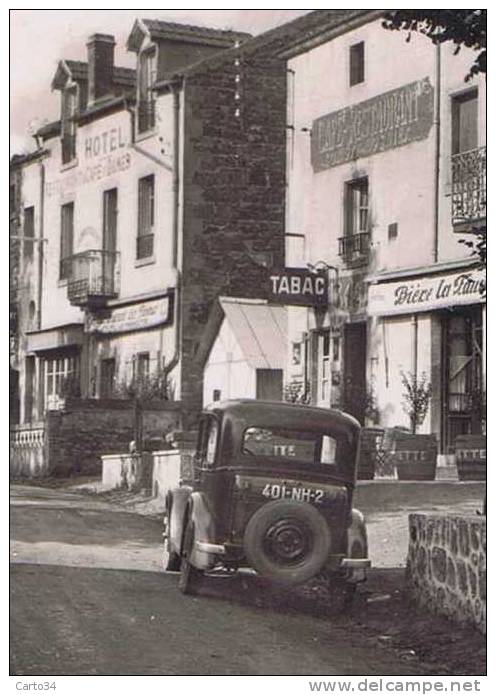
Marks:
<point>186,33</point>
<point>260,330</point>
<point>289,39</point>
<point>78,70</point>
<point>291,415</point>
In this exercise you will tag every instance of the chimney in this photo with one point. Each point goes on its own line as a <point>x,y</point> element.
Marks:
<point>100,66</point>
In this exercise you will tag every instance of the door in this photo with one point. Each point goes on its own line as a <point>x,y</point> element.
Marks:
<point>463,392</point>
<point>109,239</point>
<point>355,364</point>
<point>269,384</point>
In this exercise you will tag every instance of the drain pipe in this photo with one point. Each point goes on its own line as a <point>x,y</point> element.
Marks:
<point>175,88</point>
<point>437,155</point>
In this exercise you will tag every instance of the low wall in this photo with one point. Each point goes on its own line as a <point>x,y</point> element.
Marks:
<point>166,472</point>
<point>446,566</point>
<point>28,451</point>
<point>127,471</point>
<point>72,440</point>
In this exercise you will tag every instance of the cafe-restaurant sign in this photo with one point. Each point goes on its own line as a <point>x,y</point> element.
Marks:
<point>427,293</point>
<point>133,317</point>
<point>299,287</point>
<point>388,120</point>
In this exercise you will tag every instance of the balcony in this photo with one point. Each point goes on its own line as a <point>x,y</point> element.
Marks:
<point>354,249</point>
<point>146,116</point>
<point>93,277</point>
<point>468,194</point>
<point>68,148</point>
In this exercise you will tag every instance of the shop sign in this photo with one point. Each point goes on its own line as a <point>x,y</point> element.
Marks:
<point>389,120</point>
<point>103,154</point>
<point>298,287</point>
<point>134,317</point>
<point>427,293</point>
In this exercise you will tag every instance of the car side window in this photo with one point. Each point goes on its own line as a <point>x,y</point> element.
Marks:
<point>211,444</point>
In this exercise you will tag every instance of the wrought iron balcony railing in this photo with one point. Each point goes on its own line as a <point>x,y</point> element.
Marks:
<point>468,194</point>
<point>68,148</point>
<point>355,248</point>
<point>93,276</point>
<point>146,116</point>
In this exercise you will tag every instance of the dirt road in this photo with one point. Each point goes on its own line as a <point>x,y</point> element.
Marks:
<point>88,597</point>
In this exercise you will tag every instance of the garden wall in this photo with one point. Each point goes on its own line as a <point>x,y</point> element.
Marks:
<point>446,567</point>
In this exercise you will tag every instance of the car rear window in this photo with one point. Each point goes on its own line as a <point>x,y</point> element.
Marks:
<point>307,447</point>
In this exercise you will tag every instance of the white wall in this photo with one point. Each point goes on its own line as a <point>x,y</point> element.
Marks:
<point>227,369</point>
<point>84,184</point>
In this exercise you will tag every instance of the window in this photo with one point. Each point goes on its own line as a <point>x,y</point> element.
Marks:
<point>276,442</point>
<point>28,232</point>
<point>69,104</point>
<point>110,220</point>
<point>146,101</point>
<point>324,368</point>
<point>66,239</point>
<point>146,217</point>
<point>141,367</point>
<point>61,379</point>
<point>357,206</point>
<point>107,377</point>
<point>357,63</point>
<point>464,122</point>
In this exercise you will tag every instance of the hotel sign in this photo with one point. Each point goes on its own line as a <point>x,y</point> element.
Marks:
<point>134,317</point>
<point>427,293</point>
<point>389,120</point>
<point>298,287</point>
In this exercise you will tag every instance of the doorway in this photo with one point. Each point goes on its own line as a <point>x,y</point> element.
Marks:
<point>463,409</point>
<point>354,370</point>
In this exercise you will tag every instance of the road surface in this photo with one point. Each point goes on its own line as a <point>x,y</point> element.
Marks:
<point>88,596</point>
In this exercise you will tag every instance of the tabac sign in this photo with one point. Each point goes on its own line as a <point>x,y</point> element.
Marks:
<point>427,293</point>
<point>299,287</point>
<point>389,120</point>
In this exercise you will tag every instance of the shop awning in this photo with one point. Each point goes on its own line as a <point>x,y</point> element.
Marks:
<point>260,330</point>
<point>53,338</point>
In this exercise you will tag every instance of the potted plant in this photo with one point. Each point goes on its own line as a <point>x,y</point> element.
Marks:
<point>415,454</point>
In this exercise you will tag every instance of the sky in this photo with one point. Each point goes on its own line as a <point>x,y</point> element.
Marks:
<point>40,38</point>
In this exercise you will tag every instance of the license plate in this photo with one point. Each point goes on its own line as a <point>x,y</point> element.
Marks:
<point>287,492</point>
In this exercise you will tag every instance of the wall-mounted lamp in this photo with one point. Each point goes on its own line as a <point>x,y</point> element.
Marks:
<point>322,265</point>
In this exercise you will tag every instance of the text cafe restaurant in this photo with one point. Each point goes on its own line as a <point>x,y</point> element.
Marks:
<point>433,324</point>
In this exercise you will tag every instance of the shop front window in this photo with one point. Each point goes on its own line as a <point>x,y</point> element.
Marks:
<point>61,380</point>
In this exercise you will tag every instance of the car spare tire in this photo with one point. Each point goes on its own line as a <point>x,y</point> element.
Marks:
<point>287,541</point>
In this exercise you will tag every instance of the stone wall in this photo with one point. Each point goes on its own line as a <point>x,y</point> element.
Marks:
<point>74,439</point>
<point>234,182</point>
<point>446,567</point>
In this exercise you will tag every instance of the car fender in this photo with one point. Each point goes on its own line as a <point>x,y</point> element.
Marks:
<point>356,545</point>
<point>176,503</point>
<point>204,530</point>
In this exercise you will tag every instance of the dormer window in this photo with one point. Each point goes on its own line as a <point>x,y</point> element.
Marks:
<point>69,109</point>
<point>146,98</point>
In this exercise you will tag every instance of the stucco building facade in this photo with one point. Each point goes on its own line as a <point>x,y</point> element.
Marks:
<point>386,173</point>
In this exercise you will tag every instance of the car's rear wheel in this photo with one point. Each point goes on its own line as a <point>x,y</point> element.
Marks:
<point>287,541</point>
<point>190,578</point>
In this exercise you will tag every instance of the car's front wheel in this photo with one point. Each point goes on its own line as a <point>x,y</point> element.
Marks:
<point>190,578</point>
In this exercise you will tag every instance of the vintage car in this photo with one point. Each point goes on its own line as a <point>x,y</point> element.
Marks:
<point>272,492</point>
